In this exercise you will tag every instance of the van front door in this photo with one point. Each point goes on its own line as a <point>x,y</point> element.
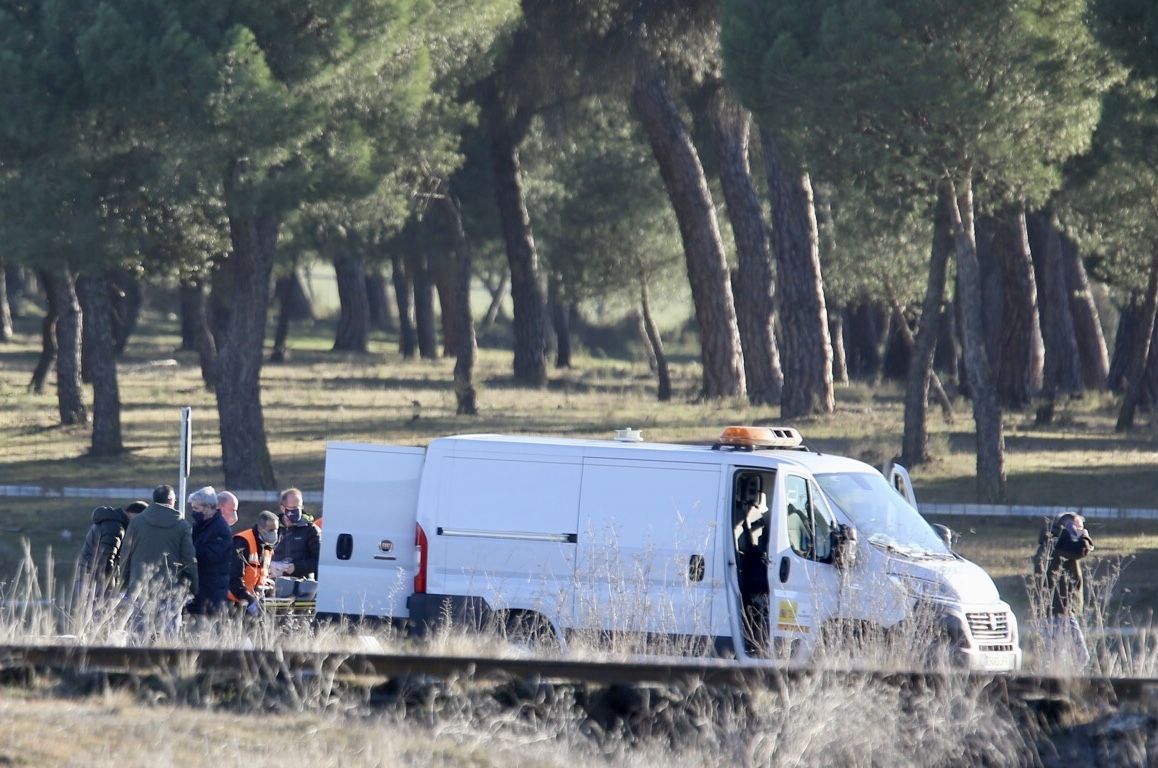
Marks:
<point>804,582</point>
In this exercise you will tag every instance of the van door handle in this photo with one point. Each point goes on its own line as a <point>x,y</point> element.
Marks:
<point>785,564</point>
<point>696,568</point>
<point>345,546</point>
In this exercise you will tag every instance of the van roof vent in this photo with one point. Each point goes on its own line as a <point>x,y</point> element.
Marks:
<point>752,438</point>
<point>628,435</point>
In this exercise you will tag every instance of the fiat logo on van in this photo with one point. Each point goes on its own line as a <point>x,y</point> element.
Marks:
<point>386,545</point>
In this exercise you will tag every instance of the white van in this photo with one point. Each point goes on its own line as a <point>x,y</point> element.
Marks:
<point>749,547</point>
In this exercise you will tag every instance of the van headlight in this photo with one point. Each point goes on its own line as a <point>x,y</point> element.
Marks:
<point>926,589</point>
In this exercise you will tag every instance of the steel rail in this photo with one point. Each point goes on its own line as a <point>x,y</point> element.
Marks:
<point>366,668</point>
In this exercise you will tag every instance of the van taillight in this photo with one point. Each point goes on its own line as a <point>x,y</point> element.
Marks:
<point>422,548</point>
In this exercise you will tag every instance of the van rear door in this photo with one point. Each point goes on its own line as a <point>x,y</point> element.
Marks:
<point>370,503</point>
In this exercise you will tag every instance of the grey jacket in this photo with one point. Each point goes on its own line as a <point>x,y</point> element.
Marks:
<point>158,542</point>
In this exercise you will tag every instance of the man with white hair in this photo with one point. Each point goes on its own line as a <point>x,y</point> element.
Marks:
<point>227,503</point>
<point>213,542</point>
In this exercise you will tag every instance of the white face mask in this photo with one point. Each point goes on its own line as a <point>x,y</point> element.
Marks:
<point>268,537</point>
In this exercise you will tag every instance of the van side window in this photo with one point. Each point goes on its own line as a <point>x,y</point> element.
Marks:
<point>823,522</point>
<point>799,516</point>
<point>810,520</point>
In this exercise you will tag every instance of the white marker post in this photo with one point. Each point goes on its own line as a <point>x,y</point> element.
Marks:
<point>186,456</point>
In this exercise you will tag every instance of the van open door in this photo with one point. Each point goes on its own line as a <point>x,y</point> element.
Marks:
<point>368,557</point>
<point>899,478</point>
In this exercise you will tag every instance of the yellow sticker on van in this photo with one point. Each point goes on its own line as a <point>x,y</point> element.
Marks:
<point>786,612</point>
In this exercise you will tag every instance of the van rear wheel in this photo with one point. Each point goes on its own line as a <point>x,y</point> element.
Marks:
<point>531,631</point>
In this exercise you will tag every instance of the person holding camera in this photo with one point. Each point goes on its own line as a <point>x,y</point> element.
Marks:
<point>1058,568</point>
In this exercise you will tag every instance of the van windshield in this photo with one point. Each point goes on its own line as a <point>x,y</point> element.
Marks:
<point>881,514</point>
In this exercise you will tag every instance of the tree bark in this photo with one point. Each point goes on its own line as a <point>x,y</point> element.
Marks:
<point>445,284</point>
<point>1128,317</point>
<point>69,395</point>
<point>707,266</point>
<point>839,358</point>
<point>1021,351</point>
<point>529,323</point>
<point>1091,341</point>
<point>353,331</point>
<point>424,321</point>
<point>807,350</point>
<point>752,288</point>
<point>244,451</point>
<point>466,349</point>
<point>194,313</point>
<point>126,301</point>
<point>47,336</point>
<point>5,309</point>
<point>915,438</point>
<point>1062,360</point>
<point>986,410</point>
<point>1140,351</point>
<point>495,308</point>
<point>407,336</point>
<point>281,293</point>
<point>94,292</point>
<point>380,315</point>
<point>560,320</point>
<point>655,341</point>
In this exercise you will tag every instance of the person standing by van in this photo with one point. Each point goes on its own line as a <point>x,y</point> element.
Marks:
<point>158,562</point>
<point>213,542</point>
<point>253,549</point>
<point>299,546</point>
<point>1058,568</point>
<point>99,557</point>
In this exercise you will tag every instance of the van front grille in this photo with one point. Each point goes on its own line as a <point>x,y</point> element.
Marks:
<point>996,648</point>
<point>988,626</point>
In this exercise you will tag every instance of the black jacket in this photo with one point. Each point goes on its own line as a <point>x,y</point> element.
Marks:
<point>102,546</point>
<point>1058,566</point>
<point>300,545</point>
<point>213,541</point>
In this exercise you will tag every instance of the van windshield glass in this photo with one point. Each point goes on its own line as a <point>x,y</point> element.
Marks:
<point>882,515</point>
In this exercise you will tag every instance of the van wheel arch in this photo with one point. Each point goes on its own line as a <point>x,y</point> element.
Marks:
<point>529,629</point>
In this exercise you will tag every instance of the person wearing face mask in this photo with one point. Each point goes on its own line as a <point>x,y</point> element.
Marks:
<point>1058,569</point>
<point>297,550</point>
<point>253,549</point>
<point>213,542</point>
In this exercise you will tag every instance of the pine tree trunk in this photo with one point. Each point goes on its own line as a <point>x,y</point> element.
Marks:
<point>194,315</point>
<point>1091,341</point>
<point>281,293</point>
<point>94,292</point>
<point>466,350</point>
<point>1140,351</point>
<point>244,451</point>
<point>353,331</point>
<point>560,320</point>
<point>807,350</point>
<point>220,296</point>
<point>707,266</point>
<point>655,341</point>
<point>839,359</point>
<point>1128,316</point>
<point>425,324</point>
<point>445,277</point>
<point>530,320</point>
<point>1062,361</point>
<point>1021,351</point>
<point>126,301</point>
<point>915,438</point>
<point>69,395</point>
<point>6,331</point>
<point>407,336</point>
<point>495,308</point>
<point>986,410</point>
<point>188,296</point>
<point>380,315</point>
<point>47,336</point>
<point>752,287</point>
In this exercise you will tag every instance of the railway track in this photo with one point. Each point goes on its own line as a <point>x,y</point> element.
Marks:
<point>368,669</point>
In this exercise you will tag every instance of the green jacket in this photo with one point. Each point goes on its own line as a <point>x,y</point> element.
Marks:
<point>160,543</point>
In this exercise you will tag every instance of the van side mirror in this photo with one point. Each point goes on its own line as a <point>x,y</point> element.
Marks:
<point>946,534</point>
<point>844,546</point>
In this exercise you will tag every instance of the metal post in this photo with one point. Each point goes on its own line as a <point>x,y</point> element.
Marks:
<point>186,456</point>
